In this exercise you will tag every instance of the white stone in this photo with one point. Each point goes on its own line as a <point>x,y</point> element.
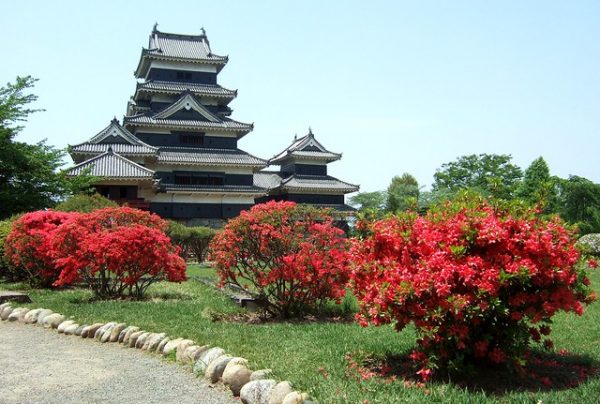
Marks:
<point>32,316</point>
<point>206,358</point>
<point>236,374</point>
<point>61,327</point>
<point>133,338</point>
<point>127,336</point>
<point>181,347</point>
<point>152,342</point>
<point>171,346</point>
<point>162,344</point>
<point>295,398</point>
<point>42,315</point>
<point>90,331</point>
<point>257,391</point>
<point>215,370</point>
<point>6,312</point>
<point>116,331</point>
<point>70,330</point>
<point>53,320</point>
<point>141,339</point>
<point>18,314</point>
<point>279,392</point>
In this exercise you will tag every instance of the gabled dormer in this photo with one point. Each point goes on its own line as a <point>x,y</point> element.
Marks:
<point>305,156</point>
<point>187,107</point>
<point>113,136</point>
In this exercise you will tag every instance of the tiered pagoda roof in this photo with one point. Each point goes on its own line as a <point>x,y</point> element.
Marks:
<point>112,166</point>
<point>174,87</point>
<point>116,137</point>
<point>178,48</point>
<point>301,150</point>
<point>206,120</point>
<point>209,157</point>
<point>306,147</point>
<point>272,181</point>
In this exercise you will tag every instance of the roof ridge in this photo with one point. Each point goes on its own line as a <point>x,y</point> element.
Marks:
<point>121,132</point>
<point>111,153</point>
<point>187,101</point>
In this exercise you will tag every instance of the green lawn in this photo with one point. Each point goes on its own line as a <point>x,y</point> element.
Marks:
<point>312,355</point>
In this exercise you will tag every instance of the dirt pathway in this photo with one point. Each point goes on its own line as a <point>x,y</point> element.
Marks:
<point>42,366</point>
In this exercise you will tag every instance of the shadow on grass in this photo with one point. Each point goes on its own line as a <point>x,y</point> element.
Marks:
<point>543,372</point>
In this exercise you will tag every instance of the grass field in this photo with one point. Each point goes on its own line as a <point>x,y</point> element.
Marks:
<point>312,355</point>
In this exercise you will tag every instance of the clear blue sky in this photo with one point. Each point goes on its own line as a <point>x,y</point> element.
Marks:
<point>396,86</point>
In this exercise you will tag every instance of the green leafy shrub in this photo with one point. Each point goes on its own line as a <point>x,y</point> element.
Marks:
<point>590,243</point>
<point>191,240</point>
<point>85,203</point>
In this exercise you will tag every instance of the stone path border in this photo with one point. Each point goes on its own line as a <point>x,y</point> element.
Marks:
<point>212,363</point>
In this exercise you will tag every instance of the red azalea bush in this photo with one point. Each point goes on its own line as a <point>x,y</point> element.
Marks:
<point>27,245</point>
<point>477,282</point>
<point>116,251</point>
<point>292,256</point>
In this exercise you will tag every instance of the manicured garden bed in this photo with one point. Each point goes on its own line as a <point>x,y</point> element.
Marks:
<point>313,355</point>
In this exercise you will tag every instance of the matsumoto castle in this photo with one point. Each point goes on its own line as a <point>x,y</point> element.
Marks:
<point>176,152</point>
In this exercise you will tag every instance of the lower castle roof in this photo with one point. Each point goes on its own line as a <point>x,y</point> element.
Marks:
<point>112,166</point>
<point>302,183</point>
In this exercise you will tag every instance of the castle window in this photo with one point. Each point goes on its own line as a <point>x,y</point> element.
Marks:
<point>191,139</point>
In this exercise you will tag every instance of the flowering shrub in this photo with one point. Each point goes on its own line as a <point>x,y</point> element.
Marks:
<point>293,257</point>
<point>27,245</point>
<point>590,243</point>
<point>477,283</point>
<point>7,270</point>
<point>115,251</point>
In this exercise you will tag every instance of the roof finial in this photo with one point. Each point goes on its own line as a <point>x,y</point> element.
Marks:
<point>203,31</point>
<point>295,136</point>
<point>114,120</point>
<point>155,28</point>
<point>310,131</point>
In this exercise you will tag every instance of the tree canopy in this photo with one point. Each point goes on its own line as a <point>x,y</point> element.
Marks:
<point>29,173</point>
<point>369,200</point>
<point>539,187</point>
<point>402,193</point>
<point>493,175</point>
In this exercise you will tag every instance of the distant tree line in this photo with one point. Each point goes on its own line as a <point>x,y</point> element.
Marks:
<point>575,199</point>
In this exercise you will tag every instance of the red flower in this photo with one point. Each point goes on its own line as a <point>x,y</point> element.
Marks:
<point>464,272</point>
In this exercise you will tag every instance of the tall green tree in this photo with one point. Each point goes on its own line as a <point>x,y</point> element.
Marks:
<point>402,193</point>
<point>29,173</point>
<point>539,187</point>
<point>369,200</point>
<point>580,203</point>
<point>493,175</point>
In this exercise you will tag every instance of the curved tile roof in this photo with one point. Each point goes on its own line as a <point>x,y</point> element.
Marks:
<point>307,147</point>
<point>317,183</point>
<point>182,46</point>
<point>220,157</point>
<point>226,124</point>
<point>112,165</point>
<point>213,188</point>
<point>173,87</point>
<point>267,179</point>
<point>119,148</point>
<point>116,136</point>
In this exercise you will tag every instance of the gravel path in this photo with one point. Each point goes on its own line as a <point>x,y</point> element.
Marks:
<point>42,366</point>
